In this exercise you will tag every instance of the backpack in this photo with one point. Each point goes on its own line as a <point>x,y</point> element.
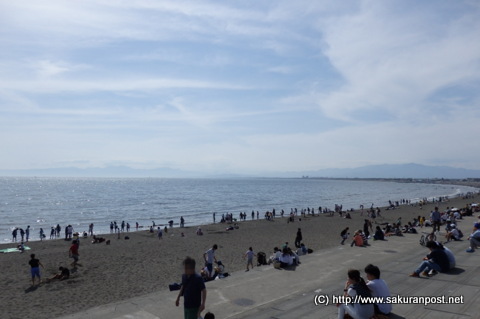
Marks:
<point>261,259</point>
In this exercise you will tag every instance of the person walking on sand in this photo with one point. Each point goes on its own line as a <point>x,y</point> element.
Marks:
<point>344,235</point>
<point>209,257</point>
<point>193,291</point>
<point>73,253</point>
<point>298,238</point>
<point>249,255</point>
<point>35,269</point>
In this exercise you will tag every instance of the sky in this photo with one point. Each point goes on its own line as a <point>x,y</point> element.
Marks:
<point>239,86</point>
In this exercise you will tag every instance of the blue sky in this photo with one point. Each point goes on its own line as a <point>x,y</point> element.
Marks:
<point>239,87</point>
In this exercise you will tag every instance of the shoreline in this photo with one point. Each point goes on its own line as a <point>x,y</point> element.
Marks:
<point>147,227</point>
<point>144,264</point>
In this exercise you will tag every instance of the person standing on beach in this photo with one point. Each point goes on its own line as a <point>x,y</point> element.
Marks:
<point>59,229</point>
<point>249,255</point>
<point>111,227</point>
<point>344,235</point>
<point>159,234</point>
<point>73,253</point>
<point>209,257</point>
<point>123,226</point>
<point>182,222</point>
<point>27,233</point>
<point>14,235</point>
<point>298,238</point>
<point>128,227</point>
<point>193,291</point>
<point>35,269</point>
<point>136,226</point>
<point>42,234</point>
<point>214,218</point>
<point>22,234</point>
<point>90,229</point>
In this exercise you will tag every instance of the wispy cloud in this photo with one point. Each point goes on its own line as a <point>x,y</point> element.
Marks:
<point>245,86</point>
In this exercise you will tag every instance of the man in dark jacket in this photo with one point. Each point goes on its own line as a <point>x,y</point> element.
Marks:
<point>437,260</point>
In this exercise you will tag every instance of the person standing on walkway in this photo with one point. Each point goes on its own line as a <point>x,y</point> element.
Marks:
<point>249,255</point>
<point>193,291</point>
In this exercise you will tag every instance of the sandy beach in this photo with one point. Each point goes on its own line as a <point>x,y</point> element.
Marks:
<point>144,264</point>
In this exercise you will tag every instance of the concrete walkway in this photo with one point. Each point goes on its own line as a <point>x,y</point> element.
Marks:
<point>269,293</point>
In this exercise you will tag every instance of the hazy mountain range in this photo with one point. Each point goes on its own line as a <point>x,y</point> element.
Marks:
<point>372,171</point>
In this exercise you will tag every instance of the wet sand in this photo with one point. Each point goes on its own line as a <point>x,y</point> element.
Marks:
<point>144,264</point>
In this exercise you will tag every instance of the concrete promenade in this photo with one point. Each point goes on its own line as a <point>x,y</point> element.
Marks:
<point>269,293</point>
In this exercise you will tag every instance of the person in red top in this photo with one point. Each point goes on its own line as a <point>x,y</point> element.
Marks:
<point>73,253</point>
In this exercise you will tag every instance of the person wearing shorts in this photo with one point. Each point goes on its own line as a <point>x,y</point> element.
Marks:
<point>35,269</point>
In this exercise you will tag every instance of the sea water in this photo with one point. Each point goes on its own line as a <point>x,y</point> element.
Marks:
<point>46,202</point>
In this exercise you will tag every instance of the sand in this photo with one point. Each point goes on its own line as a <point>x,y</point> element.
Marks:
<point>145,264</point>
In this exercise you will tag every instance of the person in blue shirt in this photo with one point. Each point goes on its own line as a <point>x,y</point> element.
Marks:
<point>193,291</point>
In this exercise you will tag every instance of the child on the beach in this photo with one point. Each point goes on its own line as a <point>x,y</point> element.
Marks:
<point>249,255</point>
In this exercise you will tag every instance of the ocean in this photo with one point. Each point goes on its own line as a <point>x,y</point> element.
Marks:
<point>45,202</point>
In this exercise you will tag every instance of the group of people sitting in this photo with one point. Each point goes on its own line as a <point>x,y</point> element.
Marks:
<point>287,257</point>
<point>217,271</point>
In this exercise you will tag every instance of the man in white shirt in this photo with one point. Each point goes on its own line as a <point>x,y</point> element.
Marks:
<point>209,257</point>
<point>379,288</point>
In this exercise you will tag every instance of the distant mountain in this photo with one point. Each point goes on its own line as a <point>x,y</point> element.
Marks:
<point>415,171</point>
<point>396,171</point>
<point>109,171</point>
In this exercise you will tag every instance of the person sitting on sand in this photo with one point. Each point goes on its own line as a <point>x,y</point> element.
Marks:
<point>474,238</point>
<point>356,286</point>
<point>437,260</point>
<point>389,231</point>
<point>21,247</point>
<point>379,235</point>
<point>97,240</point>
<point>378,287</point>
<point>63,274</point>
<point>357,239</point>
<point>199,232</point>
<point>364,237</point>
